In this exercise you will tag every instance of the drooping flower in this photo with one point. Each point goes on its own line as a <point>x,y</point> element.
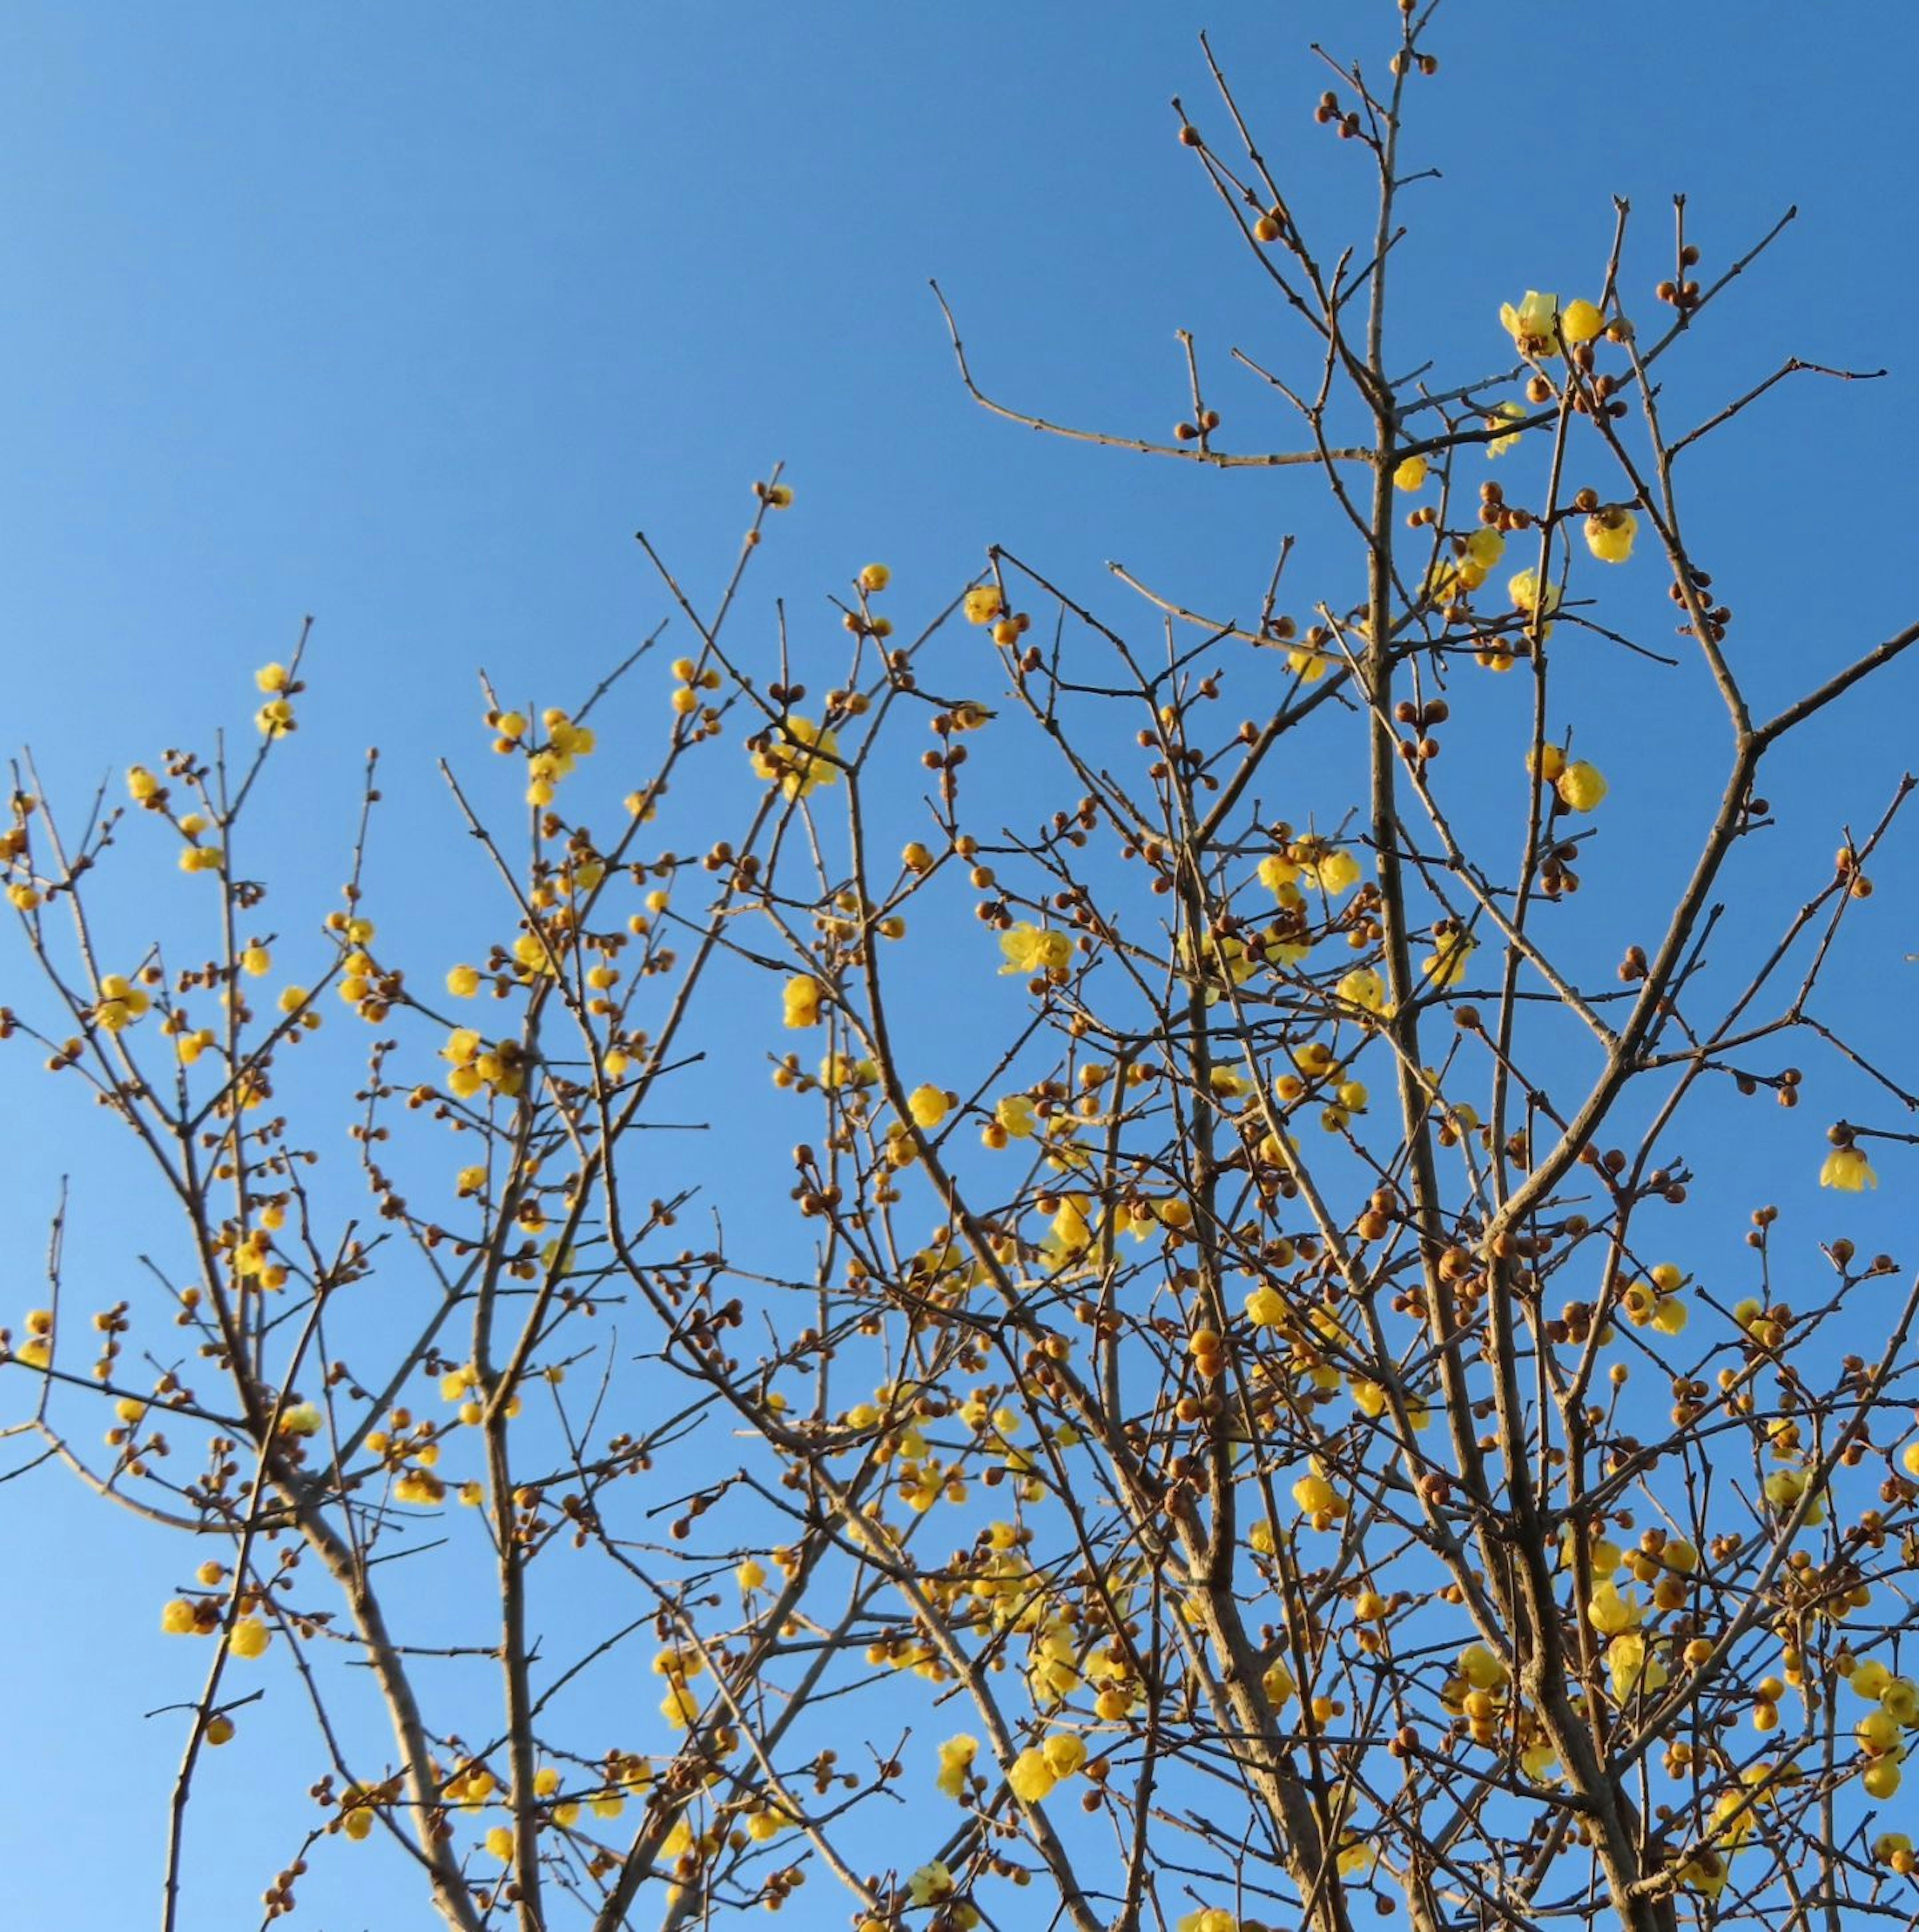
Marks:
<point>1848,1169</point>
<point>1411,474</point>
<point>1530,325</point>
<point>802,998</point>
<point>1609,533</point>
<point>1580,786</point>
<point>1033,949</point>
<point>797,754</point>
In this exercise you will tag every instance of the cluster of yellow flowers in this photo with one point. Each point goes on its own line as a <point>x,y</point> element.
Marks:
<point>473,1065</point>
<point>275,718</point>
<point>795,754</point>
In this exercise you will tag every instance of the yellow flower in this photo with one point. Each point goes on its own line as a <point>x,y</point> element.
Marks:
<point>839,1069</point>
<point>932,1884</point>
<point>1065,1753</point>
<point>1530,325</point>
<point>983,603</point>
<point>1335,871</point>
<point>1612,1610</point>
<point>141,784</point>
<point>1609,534</point>
<point>799,755</point>
<point>1529,600</point>
<point>270,677</point>
<point>1363,987</point>
<point>802,998</point>
<point>956,1763</point>
<point>749,1576</point>
<point>1031,1777</point>
<point>1581,786</point>
<point>177,1618</point>
<point>928,1106</point>
<point>1511,413</point>
<point>1445,965</point>
<point>121,1002</point>
<point>1848,1170</point>
<point>1411,475</point>
<point>1032,948</point>
<point>250,1638</point>
<point>875,577</point>
<point>1580,321</point>
<point>463,981</point>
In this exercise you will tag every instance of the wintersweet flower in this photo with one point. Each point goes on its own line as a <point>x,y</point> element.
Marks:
<point>1530,325</point>
<point>1580,321</point>
<point>932,1884</point>
<point>1363,987</point>
<point>802,998</point>
<point>1032,948</point>
<point>1581,786</point>
<point>1511,413</point>
<point>875,578</point>
<point>1612,1610</point>
<point>1411,475</point>
<point>1334,870</point>
<point>928,1106</point>
<point>1609,533</point>
<point>1031,1777</point>
<point>982,604</point>
<point>250,1638</point>
<point>177,1618</point>
<point>1445,965</point>
<point>1847,1169</point>
<point>1530,600</point>
<point>797,754</point>
<point>1065,1753</point>
<point>956,1765</point>
<point>121,1002</point>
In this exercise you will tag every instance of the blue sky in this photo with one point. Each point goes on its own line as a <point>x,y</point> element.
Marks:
<point>407,318</point>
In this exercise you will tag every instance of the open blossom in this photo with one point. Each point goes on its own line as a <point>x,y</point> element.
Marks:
<point>1033,949</point>
<point>956,1764</point>
<point>1410,475</point>
<point>1609,534</point>
<point>801,999</point>
<point>799,755</point>
<point>1506,412</point>
<point>982,604</point>
<point>1580,786</point>
<point>1848,1170</point>
<point>1531,324</point>
<point>1031,1777</point>
<point>931,1884</point>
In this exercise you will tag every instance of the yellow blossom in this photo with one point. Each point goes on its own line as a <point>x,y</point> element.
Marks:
<point>1411,474</point>
<point>1511,413</point>
<point>798,754</point>
<point>1580,786</point>
<point>802,998</point>
<point>1848,1169</point>
<point>1033,949</point>
<point>927,1105</point>
<point>1609,534</point>
<point>1530,325</point>
<point>250,1638</point>
<point>956,1764</point>
<point>1031,1777</point>
<point>983,603</point>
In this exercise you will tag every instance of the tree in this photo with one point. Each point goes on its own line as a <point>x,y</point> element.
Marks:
<point>1250,1416</point>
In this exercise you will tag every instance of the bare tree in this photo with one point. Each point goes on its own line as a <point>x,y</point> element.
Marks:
<point>1241,1456</point>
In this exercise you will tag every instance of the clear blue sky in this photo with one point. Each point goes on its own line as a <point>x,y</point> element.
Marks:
<point>408,317</point>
